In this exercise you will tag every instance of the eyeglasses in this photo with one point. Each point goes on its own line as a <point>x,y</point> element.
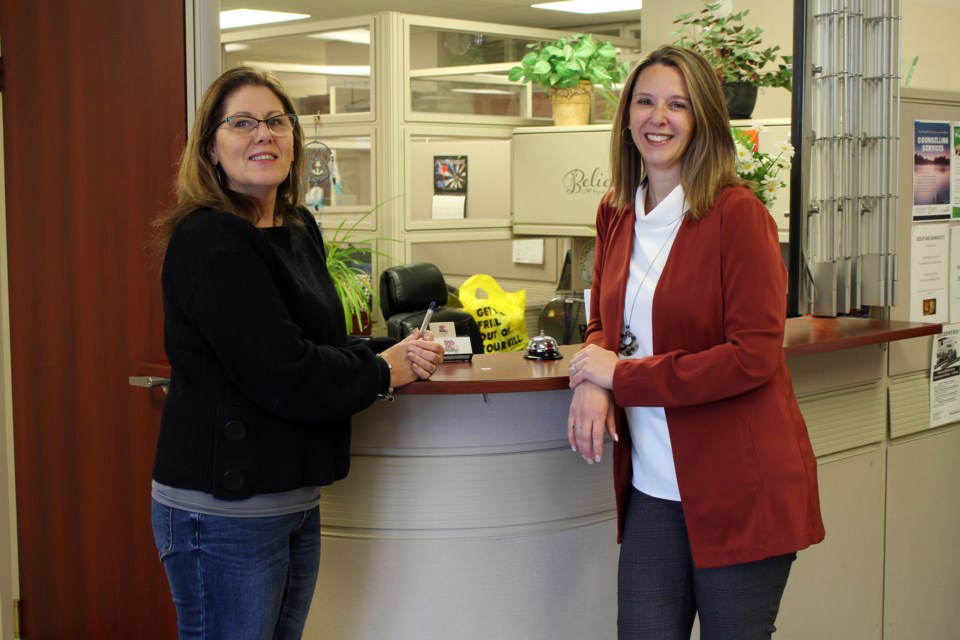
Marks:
<point>281,125</point>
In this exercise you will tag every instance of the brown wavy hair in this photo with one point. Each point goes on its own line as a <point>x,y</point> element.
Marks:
<point>709,163</point>
<point>200,184</point>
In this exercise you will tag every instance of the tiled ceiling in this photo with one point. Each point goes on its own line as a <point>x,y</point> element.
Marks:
<point>516,12</point>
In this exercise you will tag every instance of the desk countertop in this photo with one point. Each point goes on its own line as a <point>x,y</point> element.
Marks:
<point>511,372</point>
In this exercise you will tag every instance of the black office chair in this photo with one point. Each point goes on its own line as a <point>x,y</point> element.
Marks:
<point>407,291</point>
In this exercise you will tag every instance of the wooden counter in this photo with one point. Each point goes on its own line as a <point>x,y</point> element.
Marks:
<point>808,335</point>
<point>511,372</point>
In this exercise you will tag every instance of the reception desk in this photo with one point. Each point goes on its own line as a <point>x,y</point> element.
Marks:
<point>466,515</point>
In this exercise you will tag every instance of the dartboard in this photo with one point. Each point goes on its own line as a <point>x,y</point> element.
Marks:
<point>451,174</point>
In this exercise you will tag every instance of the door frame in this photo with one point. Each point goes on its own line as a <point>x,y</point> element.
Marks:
<point>203,55</point>
<point>9,567</point>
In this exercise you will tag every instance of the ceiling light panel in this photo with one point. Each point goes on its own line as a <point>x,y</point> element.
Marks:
<point>355,36</point>
<point>251,17</point>
<point>591,6</point>
<point>320,69</point>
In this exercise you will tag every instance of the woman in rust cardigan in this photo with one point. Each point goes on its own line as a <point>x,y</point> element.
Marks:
<point>683,366</point>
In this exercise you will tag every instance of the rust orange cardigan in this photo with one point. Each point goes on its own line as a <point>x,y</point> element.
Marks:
<point>745,467</point>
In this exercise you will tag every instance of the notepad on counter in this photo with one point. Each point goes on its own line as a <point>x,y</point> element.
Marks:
<point>455,348</point>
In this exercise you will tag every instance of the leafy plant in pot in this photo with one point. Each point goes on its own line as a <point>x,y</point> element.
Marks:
<point>346,256</point>
<point>569,68</point>
<point>735,53</point>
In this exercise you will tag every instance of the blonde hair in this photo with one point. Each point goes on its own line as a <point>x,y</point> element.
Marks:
<point>200,184</point>
<point>709,162</point>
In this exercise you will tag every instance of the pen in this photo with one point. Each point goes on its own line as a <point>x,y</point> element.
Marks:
<point>426,318</point>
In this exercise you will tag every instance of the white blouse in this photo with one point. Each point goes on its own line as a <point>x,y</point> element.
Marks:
<point>654,233</point>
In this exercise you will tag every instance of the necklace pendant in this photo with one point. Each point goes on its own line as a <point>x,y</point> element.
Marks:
<point>628,342</point>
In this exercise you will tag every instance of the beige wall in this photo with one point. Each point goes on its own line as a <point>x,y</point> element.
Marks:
<point>915,104</point>
<point>929,30</point>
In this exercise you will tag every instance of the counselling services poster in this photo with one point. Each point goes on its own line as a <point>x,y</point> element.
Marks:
<point>932,154</point>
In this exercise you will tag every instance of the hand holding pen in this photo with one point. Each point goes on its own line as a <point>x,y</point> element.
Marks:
<point>426,319</point>
<point>416,356</point>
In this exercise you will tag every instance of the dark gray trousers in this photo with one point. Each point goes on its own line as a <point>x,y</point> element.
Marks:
<point>660,591</point>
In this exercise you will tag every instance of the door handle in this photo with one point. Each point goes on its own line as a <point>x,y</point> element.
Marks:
<point>149,382</point>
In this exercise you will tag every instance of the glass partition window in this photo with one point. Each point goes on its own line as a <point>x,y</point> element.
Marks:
<point>437,48</point>
<point>325,72</point>
<point>475,95</point>
<point>337,171</point>
<point>462,72</point>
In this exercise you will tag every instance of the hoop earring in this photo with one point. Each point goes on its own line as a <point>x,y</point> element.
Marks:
<point>219,174</point>
<point>629,139</point>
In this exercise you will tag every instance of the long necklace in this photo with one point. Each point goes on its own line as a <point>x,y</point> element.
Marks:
<point>628,339</point>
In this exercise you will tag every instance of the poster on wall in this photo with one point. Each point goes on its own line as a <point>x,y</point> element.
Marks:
<point>449,187</point>
<point>945,377</point>
<point>929,258</point>
<point>932,150</point>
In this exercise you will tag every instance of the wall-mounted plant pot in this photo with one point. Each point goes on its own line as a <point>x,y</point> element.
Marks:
<point>741,99</point>
<point>571,107</point>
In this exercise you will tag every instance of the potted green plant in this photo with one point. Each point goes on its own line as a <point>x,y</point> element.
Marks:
<point>346,256</point>
<point>569,68</point>
<point>735,52</point>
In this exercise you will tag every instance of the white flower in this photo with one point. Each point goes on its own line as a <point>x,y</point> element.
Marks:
<point>785,148</point>
<point>761,168</point>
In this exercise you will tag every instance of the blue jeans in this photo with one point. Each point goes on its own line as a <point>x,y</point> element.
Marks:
<point>239,578</point>
<point>660,591</point>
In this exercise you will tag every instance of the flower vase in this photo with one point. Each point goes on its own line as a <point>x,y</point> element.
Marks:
<point>571,106</point>
<point>741,99</point>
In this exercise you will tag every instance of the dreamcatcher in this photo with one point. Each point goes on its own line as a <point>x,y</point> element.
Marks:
<point>319,167</point>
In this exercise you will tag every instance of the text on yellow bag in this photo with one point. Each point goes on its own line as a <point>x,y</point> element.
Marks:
<point>501,316</point>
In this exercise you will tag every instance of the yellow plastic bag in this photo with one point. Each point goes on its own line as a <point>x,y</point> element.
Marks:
<point>501,316</point>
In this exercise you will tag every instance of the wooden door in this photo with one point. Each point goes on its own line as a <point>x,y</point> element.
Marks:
<point>94,117</point>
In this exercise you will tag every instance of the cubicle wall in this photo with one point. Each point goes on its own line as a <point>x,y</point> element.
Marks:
<point>922,569</point>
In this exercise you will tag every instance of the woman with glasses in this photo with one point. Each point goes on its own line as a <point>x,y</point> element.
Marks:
<point>264,376</point>
<point>715,478</point>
